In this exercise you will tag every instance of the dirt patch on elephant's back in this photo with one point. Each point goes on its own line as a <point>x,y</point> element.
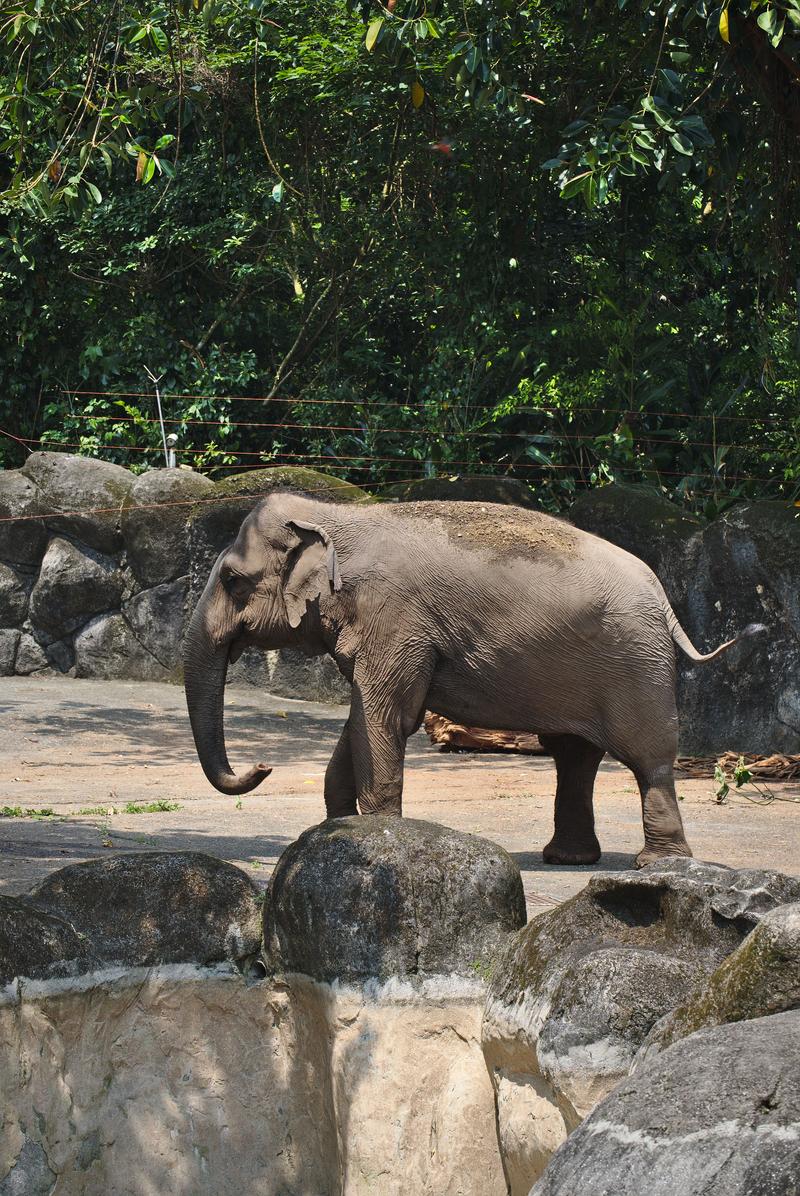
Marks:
<point>507,530</point>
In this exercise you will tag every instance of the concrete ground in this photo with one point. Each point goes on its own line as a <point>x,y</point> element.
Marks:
<point>70,746</point>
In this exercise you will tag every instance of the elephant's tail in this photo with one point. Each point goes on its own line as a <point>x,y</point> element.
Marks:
<point>685,644</point>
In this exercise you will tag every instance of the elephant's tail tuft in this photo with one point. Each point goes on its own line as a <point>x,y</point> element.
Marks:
<point>685,644</point>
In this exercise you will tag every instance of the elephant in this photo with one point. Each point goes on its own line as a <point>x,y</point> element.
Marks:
<point>490,615</point>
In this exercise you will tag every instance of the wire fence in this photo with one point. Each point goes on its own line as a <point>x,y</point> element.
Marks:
<point>383,469</point>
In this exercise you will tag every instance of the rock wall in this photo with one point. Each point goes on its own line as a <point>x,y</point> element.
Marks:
<point>201,1074</point>
<point>99,569</point>
<point>107,594</point>
<point>743,567</point>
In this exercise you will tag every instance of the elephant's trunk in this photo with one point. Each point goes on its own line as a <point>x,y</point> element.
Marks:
<point>205,669</point>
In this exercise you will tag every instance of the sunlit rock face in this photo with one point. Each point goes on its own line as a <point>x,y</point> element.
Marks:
<point>577,992</point>
<point>354,1067</point>
<point>717,1114</point>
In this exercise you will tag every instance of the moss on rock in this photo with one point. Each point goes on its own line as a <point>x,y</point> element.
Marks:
<point>312,482</point>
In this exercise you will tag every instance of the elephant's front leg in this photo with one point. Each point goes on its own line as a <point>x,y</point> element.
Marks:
<point>387,706</point>
<point>340,781</point>
<point>378,753</point>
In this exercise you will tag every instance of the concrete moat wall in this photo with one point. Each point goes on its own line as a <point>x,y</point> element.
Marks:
<point>193,1080</point>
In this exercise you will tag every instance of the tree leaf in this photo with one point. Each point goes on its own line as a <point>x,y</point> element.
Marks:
<point>682,144</point>
<point>149,170</point>
<point>141,163</point>
<point>94,192</point>
<point>768,21</point>
<point>724,30</point>
<point>575,184</point>
<point>417,94</point>
<point>372,33</point>
<point>159,39</point>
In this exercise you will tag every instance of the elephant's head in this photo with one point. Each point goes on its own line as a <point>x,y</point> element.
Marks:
<point>263,591</point>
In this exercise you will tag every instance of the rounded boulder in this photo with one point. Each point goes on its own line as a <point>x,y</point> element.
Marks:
<point>718,1114</point>
<point>374,897</point>
<point>154,521</point>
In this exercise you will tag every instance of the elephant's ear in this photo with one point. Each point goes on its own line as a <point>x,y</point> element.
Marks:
<point>312,569</point>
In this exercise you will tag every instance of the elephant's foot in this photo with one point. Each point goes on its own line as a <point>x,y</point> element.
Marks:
<point>650,853</point>
<point>571,853</point>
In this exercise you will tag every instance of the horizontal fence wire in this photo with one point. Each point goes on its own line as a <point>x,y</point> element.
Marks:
<point>652,437</point>
<point>526,408</point>
<point>543,467</point>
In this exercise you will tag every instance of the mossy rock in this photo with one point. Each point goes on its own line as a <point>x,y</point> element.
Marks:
<point>299,479</point>
<point>83,497</point>
<point>462,489</point>
<point>375,897</point>
<point>762,977</point>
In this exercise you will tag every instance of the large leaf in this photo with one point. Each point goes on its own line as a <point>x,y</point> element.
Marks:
<point>373,32</point>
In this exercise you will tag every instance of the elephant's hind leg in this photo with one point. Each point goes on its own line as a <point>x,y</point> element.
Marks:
<point>577,762</point>
<point>663,826</point>
<point>340,782</point>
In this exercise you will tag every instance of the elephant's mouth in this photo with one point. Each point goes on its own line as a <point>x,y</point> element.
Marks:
<point>237,648</point>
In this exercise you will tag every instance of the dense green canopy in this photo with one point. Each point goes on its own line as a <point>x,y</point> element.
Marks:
<point>557,240</point>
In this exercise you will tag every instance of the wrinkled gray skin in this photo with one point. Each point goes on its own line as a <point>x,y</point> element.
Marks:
<point>490,615</point>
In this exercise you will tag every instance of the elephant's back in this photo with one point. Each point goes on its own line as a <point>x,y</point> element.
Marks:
<point>506,531</point>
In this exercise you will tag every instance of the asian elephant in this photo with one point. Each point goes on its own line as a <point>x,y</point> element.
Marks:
<point>491,615</point>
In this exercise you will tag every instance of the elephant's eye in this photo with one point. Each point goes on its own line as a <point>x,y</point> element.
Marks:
<point>238,586</point>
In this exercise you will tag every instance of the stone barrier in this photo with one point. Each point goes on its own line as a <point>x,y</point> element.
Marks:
<point>381,1020</point>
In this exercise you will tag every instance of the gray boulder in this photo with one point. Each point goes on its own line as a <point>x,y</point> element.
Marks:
<point>84,497</point>
<point>23,537</point>
<point>742,569</point>
<point>641,521</point>
<point>157,618</point>
<point>31,656</point>
<point>373,897</point>
<point>576,993</point>
<point>718,1114</point>
<point>463,489</point>
<point>316,678</point>
<point>9,641</point>
<point>760,978</point>
<point>136,910</point>
<point>14,590</point>
<point>108,648</point>
<point>35,942</point>
<point>154,521</point>
<point>60,655</point>
<point>73,585</point>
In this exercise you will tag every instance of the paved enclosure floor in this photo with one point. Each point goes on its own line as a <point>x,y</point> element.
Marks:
<point>71,745</point>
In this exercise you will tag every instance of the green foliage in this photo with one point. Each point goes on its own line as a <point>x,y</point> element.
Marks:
<point>329,234</point>
<point>739,776</point>
<point>26,812</point>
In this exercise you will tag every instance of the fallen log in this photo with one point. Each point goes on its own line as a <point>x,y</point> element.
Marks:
<point>455,737</point>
